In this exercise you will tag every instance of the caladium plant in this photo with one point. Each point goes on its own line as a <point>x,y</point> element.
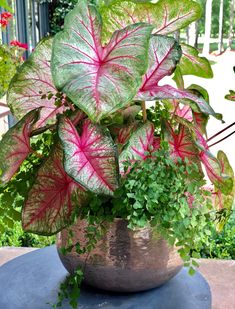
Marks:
<point>88,85</point>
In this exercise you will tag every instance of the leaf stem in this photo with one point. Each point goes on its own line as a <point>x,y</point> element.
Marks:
<point>218,133</point>
<point>143,106</point>
<point>177,103</point>
<point>38,155</point>
<point>222,139</point>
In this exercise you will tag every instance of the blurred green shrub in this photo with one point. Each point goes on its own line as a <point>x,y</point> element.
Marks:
<point>222,245</point>
<point>16,237</point>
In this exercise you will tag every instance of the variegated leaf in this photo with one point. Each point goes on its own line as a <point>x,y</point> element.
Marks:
<point>30,86</point>
<point>15,146</point>
<point>213,167</point>
<point>167,16</point>
<point>89,157</point>
<point>230,96</point>
<point>53,199</point>
<point>224,201</point>
<point>181,144</point>
<point>99,80</point>
<point>140,145</point>
<point>164,53</point>
<point>169,92</point>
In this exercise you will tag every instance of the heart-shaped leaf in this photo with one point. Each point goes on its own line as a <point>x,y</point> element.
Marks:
<point>167,16</point>
<point>181,144</point>
<point>230,96</point>
<point>192,64</point>
<point>140,145</point>
<point>91,157</point>
<point>15,146</point>
<point>53,198</point>
<point>99,80</point>
<point>164,53</point>
<point>31,85</point>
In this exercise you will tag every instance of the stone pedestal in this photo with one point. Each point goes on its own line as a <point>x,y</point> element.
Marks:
<point>31,281</point>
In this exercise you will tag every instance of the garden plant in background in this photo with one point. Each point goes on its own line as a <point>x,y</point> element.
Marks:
<point>87,147</point>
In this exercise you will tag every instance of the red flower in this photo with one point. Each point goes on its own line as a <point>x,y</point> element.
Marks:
<point>3,23</point>
<point>4,18</point>
<point>6,15</point>
<point>19,44</point>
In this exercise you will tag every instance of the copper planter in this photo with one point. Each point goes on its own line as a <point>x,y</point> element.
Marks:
<point>124,260</point>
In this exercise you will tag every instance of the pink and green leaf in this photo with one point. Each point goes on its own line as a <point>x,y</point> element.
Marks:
<point>90,157</point>
<point>167,16</point>
<point>181,143</point>
<point>122,133</point>
<point>31,82</point>
<point>213,166</point>
<point>15,146</point>
<point>140,145</point>
<point>184,112</point>
<point>164,53</point>
<point>201,121</point>
<point>98,79</point>
<point>77,117</point>
<point>230,96</point>
<point>125,132</point>
<point>224,201</point>
<point>169,92</point>
<point>53,199</point>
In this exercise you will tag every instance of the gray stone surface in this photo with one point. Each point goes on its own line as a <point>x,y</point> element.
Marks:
<point>31,281</point>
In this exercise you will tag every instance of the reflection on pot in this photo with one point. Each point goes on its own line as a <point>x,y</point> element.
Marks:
<point>123,260</point>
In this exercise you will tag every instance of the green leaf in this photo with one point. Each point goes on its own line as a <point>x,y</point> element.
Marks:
<point>192,64</point>
<point>178,78</point>
<point>8,65</point>
<point>167,16</point>
<point>200,119</point>
<point>230,96</point>
<point>4,4</point>
<point>199,90</point>
<point>191,271</point>
<point>99,79</point>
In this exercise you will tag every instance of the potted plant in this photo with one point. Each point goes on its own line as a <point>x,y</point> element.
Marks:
<point>96,152</point>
